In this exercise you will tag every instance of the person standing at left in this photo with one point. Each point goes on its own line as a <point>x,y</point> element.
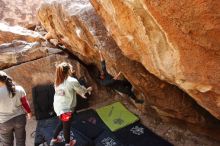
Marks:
<point>13,107</point>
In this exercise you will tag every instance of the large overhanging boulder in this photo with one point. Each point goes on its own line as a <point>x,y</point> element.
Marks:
<point>77,26</point>
<point>177,41</point>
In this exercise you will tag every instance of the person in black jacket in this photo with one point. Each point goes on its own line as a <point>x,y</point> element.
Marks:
<point>122,86</point>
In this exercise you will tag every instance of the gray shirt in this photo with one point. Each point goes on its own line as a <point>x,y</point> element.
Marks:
<point>10,107</point>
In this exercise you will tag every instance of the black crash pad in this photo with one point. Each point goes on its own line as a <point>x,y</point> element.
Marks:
<point>92,117</point>
<point>107,138</point>
<point>88,129</point>
<point>138,135</point>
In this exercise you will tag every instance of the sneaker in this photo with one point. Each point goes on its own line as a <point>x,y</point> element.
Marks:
<point>72,143</point>
<point>54,141</point>
<point>139,101</point>
<point>136,100</point>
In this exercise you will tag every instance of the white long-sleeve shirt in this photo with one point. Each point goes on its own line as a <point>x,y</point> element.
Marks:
<point>65,95</point>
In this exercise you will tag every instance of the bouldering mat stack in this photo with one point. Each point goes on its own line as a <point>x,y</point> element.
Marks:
<point>137,134</point>
<point>116,116</point>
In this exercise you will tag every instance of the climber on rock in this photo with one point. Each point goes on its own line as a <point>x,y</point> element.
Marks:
<point>122,86</point>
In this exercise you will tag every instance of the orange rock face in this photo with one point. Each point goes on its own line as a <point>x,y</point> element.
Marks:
<point>134,43</point>
<point>19,12</point>
<point>178,41</point>
<point>68,29</point>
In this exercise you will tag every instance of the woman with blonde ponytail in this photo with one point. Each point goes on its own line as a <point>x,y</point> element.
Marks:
<point>13,105</point>
<point>66,88</point>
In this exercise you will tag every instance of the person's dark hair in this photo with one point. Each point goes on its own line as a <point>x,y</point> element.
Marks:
<point>8,82</point>
<point>62,72</point>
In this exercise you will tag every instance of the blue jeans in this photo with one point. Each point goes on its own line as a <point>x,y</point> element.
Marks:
<point>15,126</point>
<point>45,129</point>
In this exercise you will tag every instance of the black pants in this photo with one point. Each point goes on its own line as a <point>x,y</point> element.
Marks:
<point>65,126</point>
<point>123,86</point>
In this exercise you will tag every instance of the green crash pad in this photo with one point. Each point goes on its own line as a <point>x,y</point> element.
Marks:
<point>116,116</point>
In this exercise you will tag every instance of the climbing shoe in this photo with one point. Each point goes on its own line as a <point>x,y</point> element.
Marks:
<point>72,143</point>
<point>139,101</point>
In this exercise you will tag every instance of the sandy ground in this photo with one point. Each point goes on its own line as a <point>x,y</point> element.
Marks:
<point>172,133</point>
<point>30,127</point>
